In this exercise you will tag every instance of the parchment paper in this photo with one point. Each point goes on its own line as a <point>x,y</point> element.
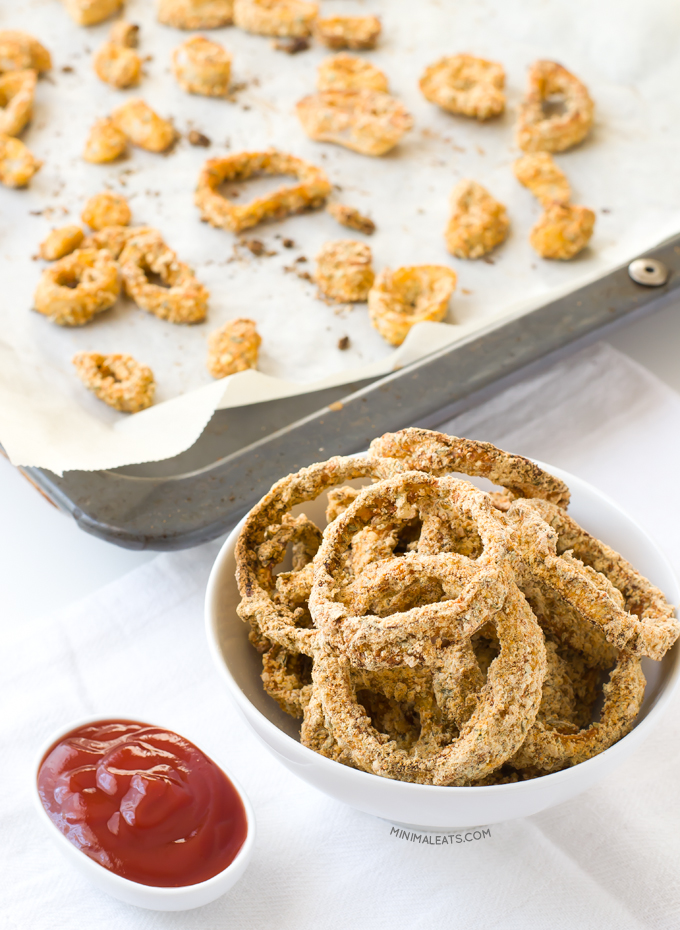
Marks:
<point>626,171</point>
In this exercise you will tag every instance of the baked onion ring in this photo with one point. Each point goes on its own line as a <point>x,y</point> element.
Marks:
<point>309,194</point>
<point>77,287</point>
<point>183,299</point>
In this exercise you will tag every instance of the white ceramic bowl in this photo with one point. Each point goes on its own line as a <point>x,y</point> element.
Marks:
<point>428,806</point>
<point>148,896</point>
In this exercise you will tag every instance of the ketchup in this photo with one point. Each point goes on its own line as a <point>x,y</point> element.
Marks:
<point>143,802</point>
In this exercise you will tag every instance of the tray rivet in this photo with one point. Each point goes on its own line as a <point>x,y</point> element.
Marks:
<point>648,271</point>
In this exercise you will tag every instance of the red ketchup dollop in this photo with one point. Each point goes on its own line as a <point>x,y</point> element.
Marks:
<point>143,802</point>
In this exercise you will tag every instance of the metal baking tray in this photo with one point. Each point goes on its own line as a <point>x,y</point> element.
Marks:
<point>200,494</point>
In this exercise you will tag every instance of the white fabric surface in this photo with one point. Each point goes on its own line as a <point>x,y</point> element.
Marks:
<point>607,859</point>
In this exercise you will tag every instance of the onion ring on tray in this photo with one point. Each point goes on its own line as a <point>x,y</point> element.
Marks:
<point>439,454</point>
<point>310,193</point>
<point>564,230</point>
<point>466,85</point>
<point>106,209</point>
<point>19,50</point>
<point>366,121</point>
<point>115,238</point>
<point>77,287</point>
<point>105,142</point>
<point>357,32</point>
<point>538,131</point>
<point>118,380</point>
<point>196,14</point>
<point>413,294</point>
<point>17,162</point>
<point>538,172</point>
<point>591,578</point>
<point>350,72</point>
<point>60,242</point>
<point>182,300</point>
<point>282,18</point>
<point>17,89</point>
<point>478,222</point>
<point>202,67</point>
<point>344,271</point>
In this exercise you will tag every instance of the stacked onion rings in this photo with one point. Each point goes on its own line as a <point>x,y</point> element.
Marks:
<point>439,634</point>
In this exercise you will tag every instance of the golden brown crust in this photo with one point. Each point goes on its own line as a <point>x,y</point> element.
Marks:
<point>61,242</point>
<point>274,605</point>
<point>19,51</point>
<point>344,270</point>
<point>119,380</point>
<point>478,221</point>
<point>125,34</point>
<point>465,85</point>
<point>355,32</point>
<point>77,287</point>
<point>115,238</point>
<point>196,14</point>
<point>439,454</point>
<point>17,163</point>
<point>551,746</point>
<point>117,65</point>
<point>182,299</point>
<point>598,583</point>
<point>350,72</point>
<point>283,18</point>
<point>538,172</point>
<point>440,652</point>
<point>106,209</point>
<point>550,83</point>
<point>91,12</point>
<point>143,127</point>
<point>233,347</point>
<point>415,294</point>
<point>309,194</point>
<point>202,67</point>
<point>105,143</point>
<point>17,89</point>
<point>366,121</point>
<point>563,231</point>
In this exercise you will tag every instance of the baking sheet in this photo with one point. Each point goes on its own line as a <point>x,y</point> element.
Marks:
<point>625,171</point>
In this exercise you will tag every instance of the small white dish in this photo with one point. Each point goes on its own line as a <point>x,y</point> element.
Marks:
<point>151,897</point>
<point>428,806</point>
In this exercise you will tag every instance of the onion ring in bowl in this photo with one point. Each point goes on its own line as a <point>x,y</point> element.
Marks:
<point>598,583</point>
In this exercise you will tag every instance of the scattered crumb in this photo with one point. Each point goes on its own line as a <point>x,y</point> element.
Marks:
<point>67,69</point>
<point>197,138</point>
<point>288,243</point>
<point>257,247</point>
<point>464,290</point>
<point>351,218</point>
<point>291,46</point>
<point>605,210</point>
<point>301,258</point>
<point>336,405</point>
<point>343,343</point>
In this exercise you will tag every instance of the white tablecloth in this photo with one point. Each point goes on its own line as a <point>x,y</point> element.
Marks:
<point>607,859</point>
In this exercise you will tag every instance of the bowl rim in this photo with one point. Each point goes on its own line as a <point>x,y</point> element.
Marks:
<point>554,778</point>
<point>119,881</point>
